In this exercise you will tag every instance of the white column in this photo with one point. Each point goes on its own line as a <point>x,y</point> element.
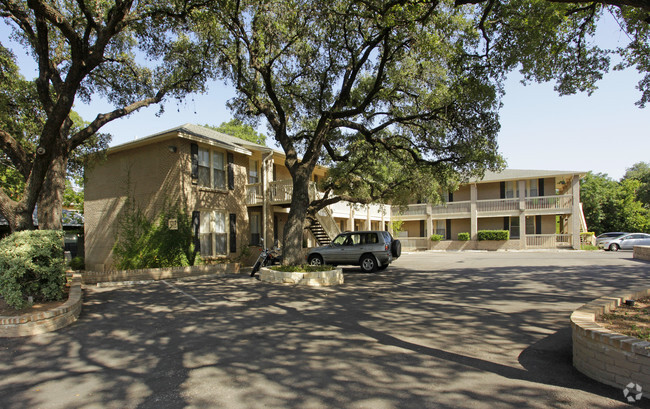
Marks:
<point>574,219</point>
<point>368,224</point>
<point>351,219</point>
<point>473,192</point>
<point>522,216</point>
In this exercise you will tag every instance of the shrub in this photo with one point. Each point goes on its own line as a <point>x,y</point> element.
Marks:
<point>31,265</point>
<point>493,235</point>
<point>141,243</point>
<point>77,263</point>
<point>436,237</point>
<point>463,236</point>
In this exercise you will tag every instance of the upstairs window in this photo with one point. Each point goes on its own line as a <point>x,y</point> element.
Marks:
<point>253,173</point>
<point>212,169</point>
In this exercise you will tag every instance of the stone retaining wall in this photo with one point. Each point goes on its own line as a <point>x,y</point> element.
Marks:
<point>46,321</point>
<point>314,279</point>
<point>642,252</point>
<point>94,277</point>
<point>490,245</point>
<point>604,355</point>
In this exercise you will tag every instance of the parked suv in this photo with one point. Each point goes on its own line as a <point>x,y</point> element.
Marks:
<point>371,250</point>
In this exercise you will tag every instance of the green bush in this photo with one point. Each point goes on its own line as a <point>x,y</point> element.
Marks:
<point>483,235</point>
<point>77,263</point>
<point>141,243</point>
<point>436,237</point>
<point>32,265</point>
<point>463,236</point>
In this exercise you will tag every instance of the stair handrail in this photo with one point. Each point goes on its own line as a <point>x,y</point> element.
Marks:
<point>324,216</point>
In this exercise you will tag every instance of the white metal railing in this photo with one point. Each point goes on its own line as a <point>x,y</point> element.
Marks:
<point>281,191</point>
<point>452,208</point>
<point>411,210</point>
<point>497,205</point>
<point>548,241</point>
<point>254,194</point>
<point>325,218</point>
<point>549,202</point>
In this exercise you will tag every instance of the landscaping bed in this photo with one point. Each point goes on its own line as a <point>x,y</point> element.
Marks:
<point>8,311</point>
<point>633,321</point>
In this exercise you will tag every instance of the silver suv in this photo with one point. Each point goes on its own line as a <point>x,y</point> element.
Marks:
<point>371,250</point>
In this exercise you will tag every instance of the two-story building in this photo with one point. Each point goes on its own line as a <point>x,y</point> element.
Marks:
<point>540,209</point>
<point>239,192</point>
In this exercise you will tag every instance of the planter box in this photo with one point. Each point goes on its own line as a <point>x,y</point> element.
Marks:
<point>315,279</point>
<point>493,245</point>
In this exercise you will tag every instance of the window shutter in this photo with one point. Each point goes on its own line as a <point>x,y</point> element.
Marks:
<point>503,190</point>
<point>538,224</point>
<point>231,171</point>
<point>233,233</point>
<point>451,197</point>
<point>448,228</point>
<point>196,223</point>
<point>194,153</point>
<point>422,229</point>
<point>506,222</point>
<point>540,188</point>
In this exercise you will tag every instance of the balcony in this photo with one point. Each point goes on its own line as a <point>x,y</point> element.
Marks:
<point>485,208</point>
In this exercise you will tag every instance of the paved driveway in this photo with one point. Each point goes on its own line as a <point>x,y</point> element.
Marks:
<point>435,330</point>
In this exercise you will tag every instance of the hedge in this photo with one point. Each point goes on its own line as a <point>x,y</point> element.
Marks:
<point>463,236</point>
<point>32,265</point>
<point>483,235</point>
<point>435,237</point>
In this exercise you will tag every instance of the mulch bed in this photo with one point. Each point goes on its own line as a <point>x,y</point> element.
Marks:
<point>631,321</point>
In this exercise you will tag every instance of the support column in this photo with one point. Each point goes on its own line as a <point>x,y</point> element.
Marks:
<point>473,192</point>
<point>574,219</point>
<point>368,224</point>
<point>351,219</point>
<point>521,186</point>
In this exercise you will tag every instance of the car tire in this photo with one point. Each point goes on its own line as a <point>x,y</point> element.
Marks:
<point>614,247</point>
<point>315,260</point>
<point>396,248</point>
<point>368,263</point>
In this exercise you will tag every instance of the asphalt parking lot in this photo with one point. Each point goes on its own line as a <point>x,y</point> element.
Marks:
<point>435,330</point>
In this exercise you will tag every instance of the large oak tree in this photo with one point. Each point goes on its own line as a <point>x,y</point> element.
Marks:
<point>132,53</point>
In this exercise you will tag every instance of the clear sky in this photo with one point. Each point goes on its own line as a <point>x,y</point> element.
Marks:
<point>604,132</point>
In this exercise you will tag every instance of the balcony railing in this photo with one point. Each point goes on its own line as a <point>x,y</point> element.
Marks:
<point>497,205</point>
<point>549,202</point>
<point>548,241</point>
<point>452,208</point>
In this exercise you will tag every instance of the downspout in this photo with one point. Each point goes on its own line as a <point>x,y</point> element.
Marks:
<point>264,194</point>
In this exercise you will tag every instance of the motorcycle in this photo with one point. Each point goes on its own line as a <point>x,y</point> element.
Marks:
<point>267,257</point>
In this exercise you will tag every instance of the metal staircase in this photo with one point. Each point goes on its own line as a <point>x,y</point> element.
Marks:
<point>319,233</point>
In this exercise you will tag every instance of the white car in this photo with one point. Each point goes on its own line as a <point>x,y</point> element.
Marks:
<point>626,242</point>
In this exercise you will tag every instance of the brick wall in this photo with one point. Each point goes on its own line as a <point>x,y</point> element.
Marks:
<point>604,355</point>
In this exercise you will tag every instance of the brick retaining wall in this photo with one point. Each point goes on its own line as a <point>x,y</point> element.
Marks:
<point>642,252</point>
<point>46,321</point>
<point>94,277</point>
<point>604,355</point>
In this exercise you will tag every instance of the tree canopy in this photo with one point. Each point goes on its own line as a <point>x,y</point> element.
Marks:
<point>133,54</point>
<point>240,130</point>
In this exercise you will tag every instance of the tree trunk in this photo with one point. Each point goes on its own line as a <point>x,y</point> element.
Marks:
<point>294,229</point>
<point>50,201</point>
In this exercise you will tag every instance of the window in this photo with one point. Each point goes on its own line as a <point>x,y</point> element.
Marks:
<point>532,188</point>
<point>512,224</point>
<point>255,229</point>
<point>213,233</point>
<point>530,225</point>
<point>512,190</point>
<point>253,175</point>
<point>212,169</point>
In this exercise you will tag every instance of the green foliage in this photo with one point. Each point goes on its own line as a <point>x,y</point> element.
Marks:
<point>78,263</point>
<point>641,172</point>
<point>240,130</point>
<point>31,265</point>
<point>613,206</point>
<point>463,236</point>
<point>435,237</point>
<point>395,227</point>
<point>493,235</point>
<point>589,247</point>
<point>141,243</point>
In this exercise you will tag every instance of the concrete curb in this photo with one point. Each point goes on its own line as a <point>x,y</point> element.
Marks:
<point>46,321</point>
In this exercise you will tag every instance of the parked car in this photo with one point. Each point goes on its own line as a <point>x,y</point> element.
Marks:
<point>625,242</point>
<point>609,236</point>
<point>371,250</point>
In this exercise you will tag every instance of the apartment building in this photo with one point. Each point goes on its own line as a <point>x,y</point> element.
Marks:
<point>540,209</point>
<point>238,192</point>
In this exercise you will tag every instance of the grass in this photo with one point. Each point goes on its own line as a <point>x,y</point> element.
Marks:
<point>588,247</point>
<point>303,268</point>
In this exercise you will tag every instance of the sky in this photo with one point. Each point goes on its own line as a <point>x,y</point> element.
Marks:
<point>603,133</point>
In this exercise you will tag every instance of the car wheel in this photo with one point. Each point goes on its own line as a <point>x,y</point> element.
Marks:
<point>315,260</point>
<point>368,263</point>
<point>614,247</point>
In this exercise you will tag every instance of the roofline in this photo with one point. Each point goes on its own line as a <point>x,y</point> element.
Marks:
<point>531,174</point>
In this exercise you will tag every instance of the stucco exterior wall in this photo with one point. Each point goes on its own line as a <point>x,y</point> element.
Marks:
<point>459,226</point>
<point>462,194</point>
<point>489,191</point>
<point>490,223</point>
